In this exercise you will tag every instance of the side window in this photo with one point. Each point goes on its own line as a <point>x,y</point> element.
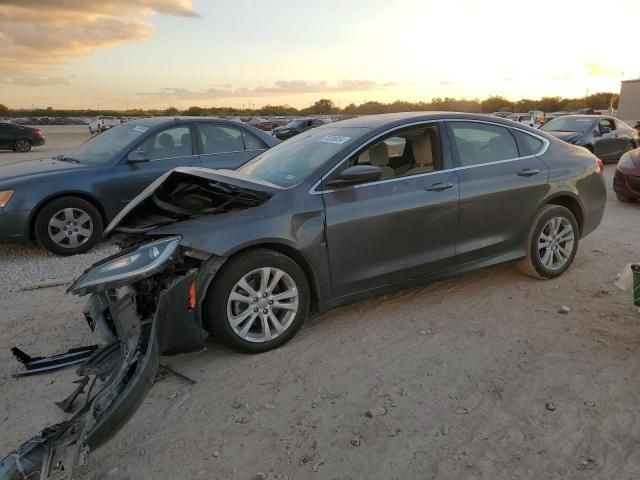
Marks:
<point>607,122</point>
<point>479,143</point>
<point>169,143</point>
<point>251,142</point>
<point>527,144</point>
<point>621,125</point>
<point>220,139</point>
<point>408,153</point>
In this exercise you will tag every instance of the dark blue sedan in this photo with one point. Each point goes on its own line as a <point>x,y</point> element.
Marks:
<point>65,202</point>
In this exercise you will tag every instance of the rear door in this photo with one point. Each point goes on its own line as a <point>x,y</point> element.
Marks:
<point>400,227</point>
<point>501,186</point>
<point>164,150</point>
<point>226,146</point>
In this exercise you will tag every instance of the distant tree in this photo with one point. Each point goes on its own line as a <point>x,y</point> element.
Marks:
<point>324,106</point>
<point>171,111</point>
<point>551,104</point>
<point>494,104</point>
<point>4,110</point>
<point>350,109</point>
<point>195,111</point>
<point>601,100</point>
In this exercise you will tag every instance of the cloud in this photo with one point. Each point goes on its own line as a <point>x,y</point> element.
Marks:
<point>281,87</point>
<point>37,35</point>
<point>596,70</point>
<point>451,82</point>
<point>32,80</point>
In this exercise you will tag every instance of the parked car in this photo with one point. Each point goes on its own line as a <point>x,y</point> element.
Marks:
<point>19,138</point>
<point>524,118</point>
<point>320,220</point>
<point>100,124</point>
<point>626,181</point>
<point>607,137</point>
<point>64,202</point>
<point>296,127</point>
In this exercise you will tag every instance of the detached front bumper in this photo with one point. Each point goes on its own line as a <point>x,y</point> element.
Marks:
<point>122,372</point>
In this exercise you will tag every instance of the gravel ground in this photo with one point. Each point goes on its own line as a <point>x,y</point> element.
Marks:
<point>28,266</point>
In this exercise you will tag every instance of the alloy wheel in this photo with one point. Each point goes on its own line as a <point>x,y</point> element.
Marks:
<point>22,145</point>
<point>555,243</point>
<point>70,227</point>
<point>262,304</point>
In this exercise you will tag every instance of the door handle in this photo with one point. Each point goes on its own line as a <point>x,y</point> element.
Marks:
<point>438,187</point>
<point>528,172</point>
<point>616,135</point>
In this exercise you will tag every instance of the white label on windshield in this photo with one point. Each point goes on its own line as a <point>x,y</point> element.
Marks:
<point>140,128</point>
<point>337,139</point>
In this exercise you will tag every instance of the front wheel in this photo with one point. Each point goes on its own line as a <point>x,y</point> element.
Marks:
<point>68,226</point>
<point>257,301</point>
<point>552,243</point>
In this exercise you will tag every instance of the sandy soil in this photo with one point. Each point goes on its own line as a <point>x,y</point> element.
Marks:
<point>463,368</point>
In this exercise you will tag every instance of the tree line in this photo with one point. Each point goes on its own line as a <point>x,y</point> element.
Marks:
<point>324,106</point>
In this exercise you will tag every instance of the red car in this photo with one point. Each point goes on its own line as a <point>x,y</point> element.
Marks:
<point>626,182</point>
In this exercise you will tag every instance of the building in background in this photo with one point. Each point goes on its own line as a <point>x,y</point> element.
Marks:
<point>629,101</point>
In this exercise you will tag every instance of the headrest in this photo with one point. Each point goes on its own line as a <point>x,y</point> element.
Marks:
<point>422,153</point>
<point>379,155</point>
<point>166,140</point>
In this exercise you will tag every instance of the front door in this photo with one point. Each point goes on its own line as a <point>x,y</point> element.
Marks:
<point>400,227</point>
<point>163,151</point>
<point>501,185</point>
<point>609,145</point>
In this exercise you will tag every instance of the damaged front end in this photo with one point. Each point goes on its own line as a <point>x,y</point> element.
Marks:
<point>144,302</point>
<point>141,314</point>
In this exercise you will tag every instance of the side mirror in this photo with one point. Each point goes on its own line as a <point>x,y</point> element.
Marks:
<point>604,130</point>
<point>137,157</point>
<point>356,174</point>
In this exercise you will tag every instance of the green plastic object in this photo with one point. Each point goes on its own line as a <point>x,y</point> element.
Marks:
<point>636,284</point>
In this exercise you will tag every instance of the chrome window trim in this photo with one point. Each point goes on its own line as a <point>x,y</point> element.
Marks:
<point>234,151</point>
<point>545,146</point>
<point>172,158</point>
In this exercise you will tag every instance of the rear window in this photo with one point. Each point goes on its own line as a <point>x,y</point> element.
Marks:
<point>528,144</point>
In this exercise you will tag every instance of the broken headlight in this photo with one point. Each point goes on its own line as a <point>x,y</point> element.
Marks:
<point>139,263</point>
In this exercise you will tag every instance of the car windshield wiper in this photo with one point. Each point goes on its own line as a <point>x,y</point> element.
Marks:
<point>62,158</point>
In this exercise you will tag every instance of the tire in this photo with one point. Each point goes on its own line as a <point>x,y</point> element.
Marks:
<point>57,218</point>
<point>219,307</point>
<point>536,263</point>
<point>22,145</point>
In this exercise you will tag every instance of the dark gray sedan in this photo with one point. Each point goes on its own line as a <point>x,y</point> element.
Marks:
<point>606,137</point>
<point>65,202</point>
<point>345,211</point>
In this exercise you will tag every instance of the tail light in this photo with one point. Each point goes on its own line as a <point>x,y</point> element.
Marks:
<point>38,132</point>
<point>599,165</point>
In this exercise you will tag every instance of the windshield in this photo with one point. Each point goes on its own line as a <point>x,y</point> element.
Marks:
<point>294,124</point>
<point>290,162</point>
<point>568,124</point>
<point>104,147</point>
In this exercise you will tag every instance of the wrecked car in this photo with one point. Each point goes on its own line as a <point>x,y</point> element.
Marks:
<point>338,213</point>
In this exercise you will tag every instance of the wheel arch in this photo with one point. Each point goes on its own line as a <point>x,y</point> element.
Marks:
<point>73,193</point>
<point>571,202</point>
<point>297,257</point>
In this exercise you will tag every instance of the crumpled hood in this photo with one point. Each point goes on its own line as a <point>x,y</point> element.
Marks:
<point>566,136</point>
<point>24,170</point>
<point>189,192</point>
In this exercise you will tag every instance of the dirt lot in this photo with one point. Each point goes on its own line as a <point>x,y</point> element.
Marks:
<point>463,368</point>
<point>58,140</point>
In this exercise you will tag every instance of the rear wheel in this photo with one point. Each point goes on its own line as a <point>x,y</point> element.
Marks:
<point>257,301</point>
<point>552,243</point>
<point>68,226</point>
<point>22,145</point>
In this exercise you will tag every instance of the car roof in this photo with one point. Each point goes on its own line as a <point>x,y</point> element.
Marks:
<point>393,119</point>
<point>155,121</point>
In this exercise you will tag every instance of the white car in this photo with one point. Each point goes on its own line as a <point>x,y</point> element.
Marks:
<point>100,124</point>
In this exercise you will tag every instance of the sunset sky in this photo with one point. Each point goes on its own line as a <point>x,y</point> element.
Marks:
<point>160,53</point>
